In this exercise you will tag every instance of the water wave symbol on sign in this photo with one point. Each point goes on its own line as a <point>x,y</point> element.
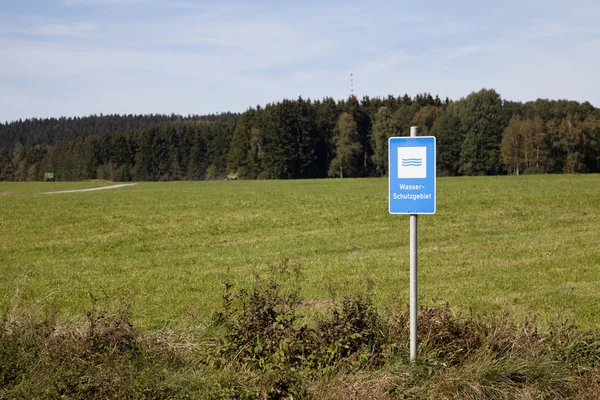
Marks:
<point>412,162</point>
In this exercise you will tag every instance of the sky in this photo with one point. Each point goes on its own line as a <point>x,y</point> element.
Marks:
<point>83,57</point>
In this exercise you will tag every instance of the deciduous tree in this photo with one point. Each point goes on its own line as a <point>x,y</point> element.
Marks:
<point>347,148</point>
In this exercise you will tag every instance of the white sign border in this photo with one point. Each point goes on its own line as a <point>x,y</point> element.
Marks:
<point>434,177</point>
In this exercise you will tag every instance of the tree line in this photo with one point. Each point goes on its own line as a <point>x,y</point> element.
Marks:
<point>183,150</point>
<point>37,131</point>
<point>481,134</point>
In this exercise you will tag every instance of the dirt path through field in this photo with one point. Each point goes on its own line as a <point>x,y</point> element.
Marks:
<point>91,189</point>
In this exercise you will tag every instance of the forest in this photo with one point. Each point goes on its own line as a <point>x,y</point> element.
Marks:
<point>480,134</point>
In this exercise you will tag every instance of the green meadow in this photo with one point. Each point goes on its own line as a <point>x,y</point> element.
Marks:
<point>17,188</point>
<point>523,245</point>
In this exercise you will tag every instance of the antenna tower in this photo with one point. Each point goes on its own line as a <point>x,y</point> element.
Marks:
<point>351,84</point>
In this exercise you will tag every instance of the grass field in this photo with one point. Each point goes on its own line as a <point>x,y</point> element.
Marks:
<point>17,188</point>
<point>524,245</point>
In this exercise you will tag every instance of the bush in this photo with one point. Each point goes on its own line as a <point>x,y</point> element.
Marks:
<point>353,335</point>
<point>267,347</point>
<point>265,331</point>
<point>262,324</point>
<point>106,358</point>
<point>22,338</point>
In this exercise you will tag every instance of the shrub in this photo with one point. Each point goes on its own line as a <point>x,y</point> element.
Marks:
<point>352,335</point>
<point>22,338</point>
<point>262,325</point>
<point>268,348</point>
<point>106,358</point>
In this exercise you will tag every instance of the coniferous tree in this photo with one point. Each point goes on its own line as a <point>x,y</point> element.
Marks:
<point>144,167</point>
<point>449,137</point>
<point>90,163</point>
<point>327,114</point>
<point>305,130</point>
<point>363,128</point>
<point>383,129</point>
<point>217,148</point>
<point>197,163</point>
<point>404,116</point>
<point>240,156</point>
<point>482,122</point>
<point>6,168</point>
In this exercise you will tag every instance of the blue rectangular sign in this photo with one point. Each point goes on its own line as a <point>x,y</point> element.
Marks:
<point>412,175</point>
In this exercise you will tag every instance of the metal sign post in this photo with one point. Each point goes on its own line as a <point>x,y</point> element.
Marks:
<point>414,289</point>
<point>412,186</point>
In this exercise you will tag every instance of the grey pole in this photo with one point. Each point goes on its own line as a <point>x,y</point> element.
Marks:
<point>413,275</point>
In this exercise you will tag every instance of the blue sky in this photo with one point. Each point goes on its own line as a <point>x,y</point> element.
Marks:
<point>81,57</point>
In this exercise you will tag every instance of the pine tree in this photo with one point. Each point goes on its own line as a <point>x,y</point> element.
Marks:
<point>482,122</point>
<point>197,160</point>
<point>449,140</point>
<point>239,153</point>
<point>383,129</point>
<point>327,114</point>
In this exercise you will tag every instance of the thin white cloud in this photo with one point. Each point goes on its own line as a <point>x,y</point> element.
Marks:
<point>384,64</point>
<point>456,53</point>
<point>548,59</point>
<point>242,45</point>
<point>72,30</point>
<point>97,2</point>
<point>210,58</point>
